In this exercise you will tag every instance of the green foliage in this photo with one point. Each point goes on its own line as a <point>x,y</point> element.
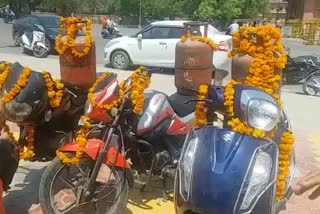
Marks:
<point>251,8</point>
<point>202,9</point>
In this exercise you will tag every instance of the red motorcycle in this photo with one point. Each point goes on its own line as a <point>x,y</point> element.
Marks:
<point>148,142</point>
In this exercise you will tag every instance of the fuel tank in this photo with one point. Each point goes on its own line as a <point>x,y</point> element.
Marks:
<point>156,109</point>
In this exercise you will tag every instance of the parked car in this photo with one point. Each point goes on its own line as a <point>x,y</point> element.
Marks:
<point>155,46</point>
<point>29,23</point>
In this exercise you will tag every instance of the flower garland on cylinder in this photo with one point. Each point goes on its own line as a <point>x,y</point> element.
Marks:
<point>71,25</point>
<point>261,43</point>
<point>140,81</point>
<point>202,39</point>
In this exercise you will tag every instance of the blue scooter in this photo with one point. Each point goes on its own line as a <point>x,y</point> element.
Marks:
<point>224,172</point>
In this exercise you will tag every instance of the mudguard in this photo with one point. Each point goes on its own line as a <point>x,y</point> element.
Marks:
<point>92,149</point>
<point>41,45</point>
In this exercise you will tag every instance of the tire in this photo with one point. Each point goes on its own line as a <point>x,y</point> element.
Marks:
<point>309,81</point>
<point>120,60</point>
<point>40,52</point>
<point>45,190</point>
<point>16,39</point>
<point>6,20</point>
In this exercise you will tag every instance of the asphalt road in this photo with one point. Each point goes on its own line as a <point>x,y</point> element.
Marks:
<point>7,46</point>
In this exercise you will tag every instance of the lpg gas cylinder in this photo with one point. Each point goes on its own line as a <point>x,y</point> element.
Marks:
<point>79,71</point>
<point>193,61</point>
<point>241,64</point>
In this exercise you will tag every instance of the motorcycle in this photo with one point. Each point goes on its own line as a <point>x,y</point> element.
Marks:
<point>9,16</point>
<point>110,33</point>
<point>36,42</point>
<point>30,108</point>
<point>311,85</point>
<point>149,143</point>
<point>221,171</point>
<point>299,68</point>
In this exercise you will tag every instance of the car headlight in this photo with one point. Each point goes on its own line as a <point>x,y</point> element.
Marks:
<point>262,114</point>
<point>17,112</point>
<point>186,167</point>
<point>259,178</point>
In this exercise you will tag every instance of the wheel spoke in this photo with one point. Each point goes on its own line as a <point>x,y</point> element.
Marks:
<point>67,182</point>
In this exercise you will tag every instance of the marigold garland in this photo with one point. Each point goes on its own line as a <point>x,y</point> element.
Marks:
<point>25,152</point>
<point>202,39</point>
<point>5,68</point>
<point>55,96</point>
<point>201,110</point>
<point>140,81</point>
<point>285,152</point>
<point>262,44</point>
<point>81,139</point>
<point>72,25</point>
<point>21,83</point>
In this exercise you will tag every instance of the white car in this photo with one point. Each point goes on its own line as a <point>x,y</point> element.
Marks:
<point>155,46</point>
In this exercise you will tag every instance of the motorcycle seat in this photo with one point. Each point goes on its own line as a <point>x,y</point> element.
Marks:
<point>177,102</point>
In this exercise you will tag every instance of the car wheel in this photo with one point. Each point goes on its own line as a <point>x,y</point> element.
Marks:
<point>17,39</point>
<point>120,60</point>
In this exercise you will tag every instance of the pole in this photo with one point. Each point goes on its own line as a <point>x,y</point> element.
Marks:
<point>140,13</point>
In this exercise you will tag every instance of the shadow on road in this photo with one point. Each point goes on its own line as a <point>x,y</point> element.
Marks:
<point>9,46</point>
<point>24,192</point>
<point>147,200</point>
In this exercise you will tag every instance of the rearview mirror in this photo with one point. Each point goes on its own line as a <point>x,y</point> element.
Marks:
<point>139,36</point>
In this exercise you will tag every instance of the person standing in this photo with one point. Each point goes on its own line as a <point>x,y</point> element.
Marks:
<point>233,27</point>
<point>104,22</point>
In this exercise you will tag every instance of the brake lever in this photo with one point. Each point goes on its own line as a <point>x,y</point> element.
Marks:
<point>197,100</point>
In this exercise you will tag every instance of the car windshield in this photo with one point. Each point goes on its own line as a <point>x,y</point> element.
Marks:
<point>211,30</point>
<point>50,21</point>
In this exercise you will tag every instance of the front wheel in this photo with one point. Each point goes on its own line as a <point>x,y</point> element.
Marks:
<point>311,85</point>
<point>120,60</point>
<point>61,185</point>
<point>40,52</point>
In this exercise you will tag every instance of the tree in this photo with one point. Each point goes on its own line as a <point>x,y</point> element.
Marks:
<point>218,9</point>
<point>251,8</point>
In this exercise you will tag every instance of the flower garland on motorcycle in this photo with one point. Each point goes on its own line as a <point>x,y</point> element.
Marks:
<point>200,109</point>
<point>262,44</point>
<point>55,93</point>
<point>140,80</point>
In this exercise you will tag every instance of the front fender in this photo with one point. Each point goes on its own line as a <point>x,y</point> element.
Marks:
<point>41,45</point>
<point>92,149</point>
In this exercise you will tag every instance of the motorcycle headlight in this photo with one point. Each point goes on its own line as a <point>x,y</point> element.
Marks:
<point>259,178</point>
<point>88,107</point>
<point>17,112</point>
<point>262,114</point>
<point>186,167</point>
